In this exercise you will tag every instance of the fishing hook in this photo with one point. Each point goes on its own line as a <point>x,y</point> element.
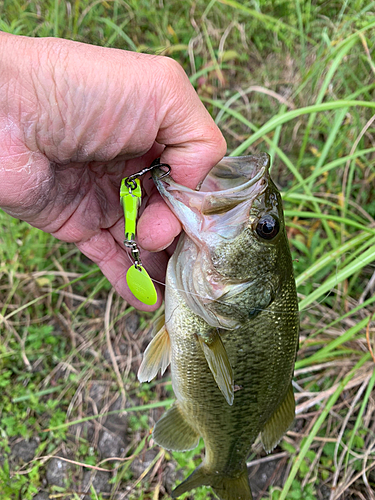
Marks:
<point>130,182</point>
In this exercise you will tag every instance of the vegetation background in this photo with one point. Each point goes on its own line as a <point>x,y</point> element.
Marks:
<point>294,78</point>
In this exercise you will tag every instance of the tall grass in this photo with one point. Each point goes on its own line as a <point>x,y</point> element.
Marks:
<point>296,79</point>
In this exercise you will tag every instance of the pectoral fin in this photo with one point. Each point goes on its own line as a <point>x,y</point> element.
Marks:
<point>279,422</point>
<point>173,432</point>
<point>218,361</point>
<point>157,356</point>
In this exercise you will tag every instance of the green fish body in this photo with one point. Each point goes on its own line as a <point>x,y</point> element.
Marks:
<point>231,324</point>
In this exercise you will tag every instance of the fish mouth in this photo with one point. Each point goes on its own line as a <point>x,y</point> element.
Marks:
<point>212,216</point>
<point>233,181</point>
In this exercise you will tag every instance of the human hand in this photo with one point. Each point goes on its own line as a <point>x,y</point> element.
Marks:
<point>74,120</point>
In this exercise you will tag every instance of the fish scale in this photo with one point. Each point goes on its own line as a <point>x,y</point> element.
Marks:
<point>261,390</point>
<point>231,324</point>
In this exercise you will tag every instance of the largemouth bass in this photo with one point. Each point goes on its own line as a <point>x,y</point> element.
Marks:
<point>231,323</point>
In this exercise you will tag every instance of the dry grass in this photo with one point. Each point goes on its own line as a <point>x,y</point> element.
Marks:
<point>70,348</point>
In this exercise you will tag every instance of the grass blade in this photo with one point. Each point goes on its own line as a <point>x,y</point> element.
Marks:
<point>359,263</point>
<point>314,431</point>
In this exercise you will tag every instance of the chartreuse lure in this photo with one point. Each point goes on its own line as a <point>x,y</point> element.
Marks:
<point>137,278</point>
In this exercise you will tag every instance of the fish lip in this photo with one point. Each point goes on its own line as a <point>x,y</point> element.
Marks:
<point>262,162</point>
<point>249,171</point>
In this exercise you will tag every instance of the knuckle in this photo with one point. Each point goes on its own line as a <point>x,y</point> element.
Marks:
<point>173,75</point>
<point>172,67</point>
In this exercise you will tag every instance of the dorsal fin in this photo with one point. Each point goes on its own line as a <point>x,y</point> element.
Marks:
<point>157,356</point>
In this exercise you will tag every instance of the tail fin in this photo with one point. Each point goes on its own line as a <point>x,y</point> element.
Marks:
<point>225,487</point>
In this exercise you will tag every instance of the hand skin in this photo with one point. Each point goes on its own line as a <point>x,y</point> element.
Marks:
<point>74,120</point>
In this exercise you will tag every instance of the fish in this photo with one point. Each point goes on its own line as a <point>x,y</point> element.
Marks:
<point>231,325</point>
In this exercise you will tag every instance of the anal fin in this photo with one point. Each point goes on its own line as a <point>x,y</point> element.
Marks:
<point>157,356</point>
<point>173,432</point>
<point>218,361</point>
<point>279,422</point>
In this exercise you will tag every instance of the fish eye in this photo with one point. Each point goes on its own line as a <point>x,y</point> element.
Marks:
<point>268,227</point>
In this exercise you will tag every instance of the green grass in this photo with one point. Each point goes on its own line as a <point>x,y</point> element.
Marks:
<point>293,78</point>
